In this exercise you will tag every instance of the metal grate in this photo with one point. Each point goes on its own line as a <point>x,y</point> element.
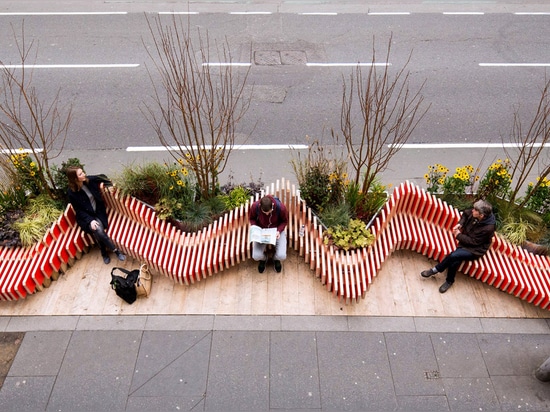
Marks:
<point>432,375</point>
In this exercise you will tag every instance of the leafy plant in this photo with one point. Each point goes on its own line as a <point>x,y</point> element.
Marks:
<point>496,181</point>
<point>315,189</point>
<point>517,230</point>
<point>236,197</point>
<point>196,216</point>
<point>458,183</point>
<point>355,235</point>
<point>335,215</point>
<point>435,178</point>
<point>12,198</point>
<point>369,203</point>
<point>321,175</point>
<point>539,196</point>
<point>40,213</point>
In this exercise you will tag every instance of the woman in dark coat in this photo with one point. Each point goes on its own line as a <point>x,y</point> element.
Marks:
<point>85,197</point>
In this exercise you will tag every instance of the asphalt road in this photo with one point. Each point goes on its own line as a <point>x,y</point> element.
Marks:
<point>480,60</point>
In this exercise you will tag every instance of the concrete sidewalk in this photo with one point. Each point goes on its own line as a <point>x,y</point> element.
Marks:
<point>222,363</point>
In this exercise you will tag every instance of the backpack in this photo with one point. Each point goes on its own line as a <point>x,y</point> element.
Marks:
<point>125,287</point>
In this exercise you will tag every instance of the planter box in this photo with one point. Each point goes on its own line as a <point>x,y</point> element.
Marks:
<point>411,219</point>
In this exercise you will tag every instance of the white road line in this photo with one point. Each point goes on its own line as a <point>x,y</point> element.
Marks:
<point>464,13</point>
<point>318,14</point>
<point>389,13</point>
<point>345,64</point>
<point>17,151</point>
<point>70,66</point>
<point>64,13</point>
<point>178,12</point>
<point>514,64</point>
<point>250,12</point>
<point>236,147</point>
<point>464,145</point>
<point>222,64</point>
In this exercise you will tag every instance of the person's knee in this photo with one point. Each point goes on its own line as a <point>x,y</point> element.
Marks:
<point>258,254</point>
<point>280,255</point>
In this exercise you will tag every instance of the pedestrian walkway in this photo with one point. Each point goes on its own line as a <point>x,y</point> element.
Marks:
<point>244,341</point>
<point>260,363</point>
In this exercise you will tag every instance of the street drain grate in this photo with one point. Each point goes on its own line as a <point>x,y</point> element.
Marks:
<point>432,375</point>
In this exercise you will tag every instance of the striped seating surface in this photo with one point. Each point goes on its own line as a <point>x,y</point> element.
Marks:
<point>411,219</point>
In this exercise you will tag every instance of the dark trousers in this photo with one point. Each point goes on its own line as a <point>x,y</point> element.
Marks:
<point>104,241</point>
<point>453,260</point>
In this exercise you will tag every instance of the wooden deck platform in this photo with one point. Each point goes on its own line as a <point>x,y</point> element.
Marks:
<point>398,290</point>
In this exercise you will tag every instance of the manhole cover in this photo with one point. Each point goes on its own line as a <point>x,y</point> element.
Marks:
<point>267,57</point>
<point>293,57</point>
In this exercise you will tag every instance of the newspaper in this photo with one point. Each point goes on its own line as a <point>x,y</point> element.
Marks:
<point>259,235</point>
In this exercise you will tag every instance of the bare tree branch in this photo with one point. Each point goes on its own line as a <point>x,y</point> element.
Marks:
<point>531,145</point>
<point>196,105</point>
<point>26,121</point>
<point>389,113</point>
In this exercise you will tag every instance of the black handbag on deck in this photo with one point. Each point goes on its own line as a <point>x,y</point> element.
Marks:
<point>125,286</point>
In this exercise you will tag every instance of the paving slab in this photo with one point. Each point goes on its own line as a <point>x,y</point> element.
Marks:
<point>354,372</point>
<point>172,364</point>
<point>513,354</point>
<point>239,372</point>
<point>40,354</point>
<point>413,364</point>
<point>96,371</point>
<point>294,371</point>
<point>458,355</point>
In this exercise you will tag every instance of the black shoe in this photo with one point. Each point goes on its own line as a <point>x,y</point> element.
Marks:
<point>261,266</point>
<point>278,266</point>
<point>106,259</point>
<point>445,287</point>
<point>427,273</point>
<point>121,256</point>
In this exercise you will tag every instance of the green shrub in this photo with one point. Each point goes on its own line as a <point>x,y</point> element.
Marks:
<point>196,216</point>
<point>12,198</point>
<point>335,215</point>
<point>40,213</point>
<point>356,235</point>
<point>368,204</point>
<point>236,197</point>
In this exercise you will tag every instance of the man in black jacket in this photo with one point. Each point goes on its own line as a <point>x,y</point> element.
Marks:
<point>474,233</point>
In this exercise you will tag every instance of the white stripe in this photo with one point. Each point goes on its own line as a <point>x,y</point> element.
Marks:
<point>178,12</point>
<point>465,145</point>
<point>389,13</point>
<point>534,13</point>
<point>63,13</point>
<point>209,147</point>
<point>250,12</point>
<point>69,66</point>
<point>319,14</point>
<point>345,64</point>
<point>221,64</point>
<point>514,64</point>
<point>17,151</point>
<point>458,13</point>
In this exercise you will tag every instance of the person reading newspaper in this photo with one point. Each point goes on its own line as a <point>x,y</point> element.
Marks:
<point>268,213</point>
